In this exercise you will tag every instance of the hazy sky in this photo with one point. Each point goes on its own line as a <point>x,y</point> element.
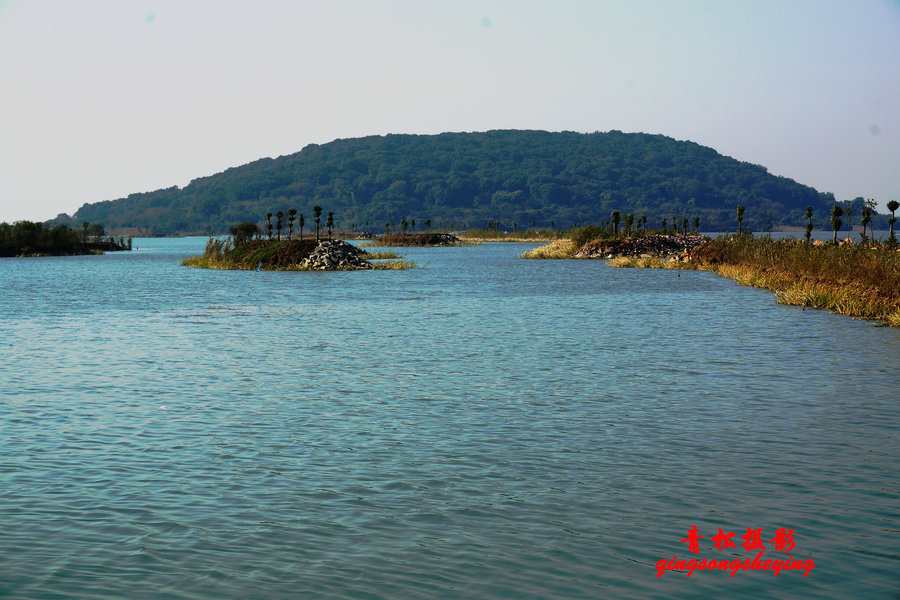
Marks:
<point>103,98</point>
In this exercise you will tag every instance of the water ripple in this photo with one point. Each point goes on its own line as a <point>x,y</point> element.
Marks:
<point>483,428</point>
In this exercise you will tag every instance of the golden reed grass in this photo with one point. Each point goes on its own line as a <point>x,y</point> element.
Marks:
<point>856,281</point>
<point>555,250</point>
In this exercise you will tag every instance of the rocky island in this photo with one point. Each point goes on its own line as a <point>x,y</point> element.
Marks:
<point>289,255</point>
<point>652,245</point>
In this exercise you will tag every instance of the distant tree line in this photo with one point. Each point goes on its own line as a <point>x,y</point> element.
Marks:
<point>24,238</point>
<point>463,180</point>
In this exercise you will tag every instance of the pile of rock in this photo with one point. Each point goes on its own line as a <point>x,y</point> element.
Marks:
<point>335,255</point>
<point>650,245</point>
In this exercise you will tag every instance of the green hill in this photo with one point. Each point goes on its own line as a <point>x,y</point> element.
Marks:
<point>462,180</point>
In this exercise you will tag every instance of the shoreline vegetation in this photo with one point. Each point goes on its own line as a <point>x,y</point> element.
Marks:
<point>853,279</point>
<point>29,239</point>
<point>493,234</point>
<point>424,240</point>
<point>292,255</point>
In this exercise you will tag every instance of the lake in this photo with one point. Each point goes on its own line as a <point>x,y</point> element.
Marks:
<point>478,427</point>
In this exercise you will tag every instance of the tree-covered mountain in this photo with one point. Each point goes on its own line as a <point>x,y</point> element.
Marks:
<point>462,180</point>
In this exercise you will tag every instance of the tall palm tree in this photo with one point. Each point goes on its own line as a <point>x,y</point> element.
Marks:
<point>279,223</point>
<point>292,216</point>
<point>317,213</point>
<point>848,212</point>
<point>808,223</point>
<point>269,224</point>
<point>740,218</point>
<point>330,223</point>
<point>300,223</point>
<point>836,212</point>
<point>616,217</point>
<point>864,221</point>
<point>892,206</point>
<point>869,210</point>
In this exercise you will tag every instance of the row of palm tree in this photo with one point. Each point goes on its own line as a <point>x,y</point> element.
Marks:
<point>837,211</point>
<point>291,216</point>
<point>639,224</point>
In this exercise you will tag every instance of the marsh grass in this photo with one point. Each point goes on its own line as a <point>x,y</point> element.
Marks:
<point>393,265</point>
<point>202,262</point>
<point>217,248</point>
<point>873,268</point>
<point>557,249</point>
<point>581,236</point>
<point>649,262</point>
<point>852,280</point>
<point>381,255</point>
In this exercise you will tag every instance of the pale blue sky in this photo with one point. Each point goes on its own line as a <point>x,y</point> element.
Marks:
<point>103,98</point>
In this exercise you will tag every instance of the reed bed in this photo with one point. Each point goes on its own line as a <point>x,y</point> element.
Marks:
<point>871,267</point>
<point>557,249</point>
<point>649,262</point>
<point>393,265</point>
<point>853,280</point>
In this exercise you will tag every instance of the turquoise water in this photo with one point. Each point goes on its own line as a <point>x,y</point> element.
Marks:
<point>480,427</point>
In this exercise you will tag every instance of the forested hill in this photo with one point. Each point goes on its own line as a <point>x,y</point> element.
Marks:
<point>468,179</point>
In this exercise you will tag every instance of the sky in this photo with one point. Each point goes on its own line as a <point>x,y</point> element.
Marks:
<point>103,98</point>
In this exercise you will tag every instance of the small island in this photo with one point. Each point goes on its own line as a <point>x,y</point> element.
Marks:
<point>428,239</point>
<point>27,238</point>
<point>247,249</point>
